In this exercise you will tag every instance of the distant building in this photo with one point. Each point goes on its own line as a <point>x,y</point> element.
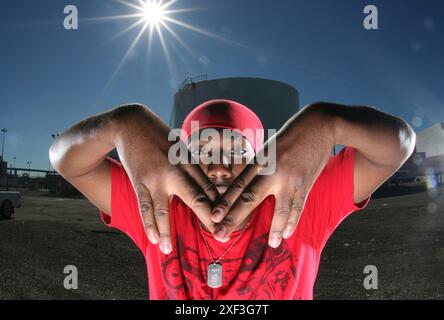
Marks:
<point>428,158</point>
<point>431,140</point>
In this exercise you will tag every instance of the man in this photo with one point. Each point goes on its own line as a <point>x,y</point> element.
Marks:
<point>220,229</point>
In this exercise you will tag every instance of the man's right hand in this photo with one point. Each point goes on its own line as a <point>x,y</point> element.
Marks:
<point>141,140</point>
<point>143,148</point>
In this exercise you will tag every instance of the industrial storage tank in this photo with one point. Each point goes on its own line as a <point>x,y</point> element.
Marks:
<point>273,101</point>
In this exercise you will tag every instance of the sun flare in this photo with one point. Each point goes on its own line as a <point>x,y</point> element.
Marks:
<point>155,19</point>
<point>153,13</point>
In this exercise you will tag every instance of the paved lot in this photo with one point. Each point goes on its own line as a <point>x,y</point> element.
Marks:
<point>402,236</point>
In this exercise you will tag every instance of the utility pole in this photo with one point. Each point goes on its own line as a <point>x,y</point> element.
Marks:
<point>3,155</point>
<point>14,172</point>
<point>4,130</point>
<point>29,168</point>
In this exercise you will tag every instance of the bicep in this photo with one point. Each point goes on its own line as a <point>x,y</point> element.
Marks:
<point>368,176</point>
<point>96,186</point>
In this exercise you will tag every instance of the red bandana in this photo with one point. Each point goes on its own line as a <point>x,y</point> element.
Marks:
<point>226,114</point>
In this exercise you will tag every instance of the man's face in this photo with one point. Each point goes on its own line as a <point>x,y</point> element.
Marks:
<point>222,157</point>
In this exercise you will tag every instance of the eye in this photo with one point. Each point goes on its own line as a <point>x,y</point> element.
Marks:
<point>200,152</point>
<point>238,153</point>
<point>205,152</point>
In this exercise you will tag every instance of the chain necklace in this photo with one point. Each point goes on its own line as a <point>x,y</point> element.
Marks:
<point>214,269</point>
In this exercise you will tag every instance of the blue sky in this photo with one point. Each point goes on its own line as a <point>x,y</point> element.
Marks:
<point>51,78</point>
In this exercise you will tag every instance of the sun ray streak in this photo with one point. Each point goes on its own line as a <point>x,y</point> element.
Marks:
<point>170,62</point>
<point>149,48</point>
<point>209,34</point>
<point>179,56</point>
<point>128,52</point>
<point>176,36</point>
<point>113,18</point>
<point>169,4</point>
<point>131,27</point>
<point>131,5</point>
<point>182,10</point>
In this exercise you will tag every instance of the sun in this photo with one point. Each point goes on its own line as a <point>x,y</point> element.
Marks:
<point>153,13</point>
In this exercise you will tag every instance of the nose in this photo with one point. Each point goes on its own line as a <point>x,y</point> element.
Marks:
<point>219,172</point>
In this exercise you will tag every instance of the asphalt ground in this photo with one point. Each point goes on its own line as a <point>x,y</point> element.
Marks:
<point>403,237</point>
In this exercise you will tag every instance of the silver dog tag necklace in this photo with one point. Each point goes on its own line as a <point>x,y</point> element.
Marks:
<point>214,269</point>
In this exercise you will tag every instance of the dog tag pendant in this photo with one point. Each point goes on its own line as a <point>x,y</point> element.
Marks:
<point>214,275</point>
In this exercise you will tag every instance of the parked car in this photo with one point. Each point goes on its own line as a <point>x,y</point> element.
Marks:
<point>9,200</point>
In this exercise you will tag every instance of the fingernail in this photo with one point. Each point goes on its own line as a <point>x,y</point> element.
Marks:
<point>221,233</point>
<point>165,247</point>
<point>287,233</point>
<point>218,215</point>
<point>274,242</point>
<point>152,238</point>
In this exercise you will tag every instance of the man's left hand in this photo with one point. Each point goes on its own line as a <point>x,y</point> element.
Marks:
<point>303,147</point>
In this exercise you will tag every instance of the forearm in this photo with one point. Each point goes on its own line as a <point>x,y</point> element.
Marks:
<point>383,139</point>
<point>83,147</point>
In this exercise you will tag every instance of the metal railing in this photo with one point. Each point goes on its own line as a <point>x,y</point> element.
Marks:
<point>191,80</point>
